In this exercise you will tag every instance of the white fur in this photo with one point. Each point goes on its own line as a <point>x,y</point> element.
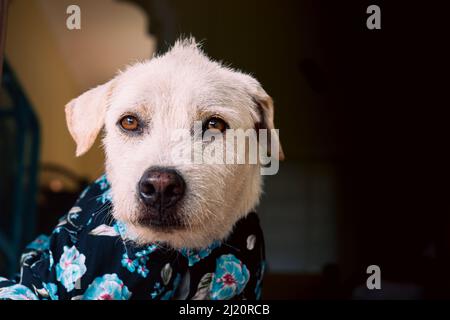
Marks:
<point>171,92</point>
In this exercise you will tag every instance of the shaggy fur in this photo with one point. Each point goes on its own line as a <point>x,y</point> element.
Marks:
<point>171,92</point>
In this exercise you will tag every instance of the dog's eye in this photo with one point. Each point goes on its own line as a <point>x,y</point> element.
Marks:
<point>215,123</point>
<point>129,123</point>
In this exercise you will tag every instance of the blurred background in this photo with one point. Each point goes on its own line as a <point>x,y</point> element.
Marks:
<point>352,106</point>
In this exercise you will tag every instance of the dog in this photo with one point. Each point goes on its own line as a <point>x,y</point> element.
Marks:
<point>159,96</point>
<point>203,211</point>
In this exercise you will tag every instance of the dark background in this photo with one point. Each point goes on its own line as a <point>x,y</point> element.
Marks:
<point>366,101</point>
<point>369,104</point>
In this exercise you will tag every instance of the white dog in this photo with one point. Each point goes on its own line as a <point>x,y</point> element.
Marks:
<point>179,229</point>
<point>141,108</point>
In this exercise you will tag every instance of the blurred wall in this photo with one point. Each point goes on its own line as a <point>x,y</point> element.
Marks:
<point>55,64</point>
<point>36,59</point>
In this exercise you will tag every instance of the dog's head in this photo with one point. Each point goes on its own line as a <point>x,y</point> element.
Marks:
<point>183,203</point>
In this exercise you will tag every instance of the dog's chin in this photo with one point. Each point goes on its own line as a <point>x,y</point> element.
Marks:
<point>177,235</point>
<point>164,221</point>
<point>174,228</point>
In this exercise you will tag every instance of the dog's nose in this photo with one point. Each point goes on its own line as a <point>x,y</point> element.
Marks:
<point>161,187</point>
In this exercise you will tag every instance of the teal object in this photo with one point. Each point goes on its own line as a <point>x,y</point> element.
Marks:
<point>19,158</point>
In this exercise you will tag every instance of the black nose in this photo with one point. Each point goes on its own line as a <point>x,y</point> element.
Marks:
<point>161,188</point>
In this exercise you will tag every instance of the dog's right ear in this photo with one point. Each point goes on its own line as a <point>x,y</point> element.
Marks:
<point>85,116</point>
<point>266,113</point>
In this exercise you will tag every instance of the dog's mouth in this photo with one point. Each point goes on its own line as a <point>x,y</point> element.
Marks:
<point>164,221</point>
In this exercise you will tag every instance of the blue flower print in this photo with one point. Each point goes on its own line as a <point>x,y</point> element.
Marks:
<point>52,290</point>
<point>143,260</point>
<point>102,182</point>
<point>229,279</point>
<point>157,290</point>
<point>17,292</point>
<point>146,251</point>
<point>107,287</point>
<point>71,267</point>
<point>41,243</point>
<point>92,255</point>
<point>138,264</point>
<point>195,255</point>
<point>105,197</point>
<point>120,228</point>
<point>129,263</point>
<point>142,270</point>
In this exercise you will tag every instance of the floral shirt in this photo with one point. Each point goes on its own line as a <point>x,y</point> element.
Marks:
<point>86,257</point>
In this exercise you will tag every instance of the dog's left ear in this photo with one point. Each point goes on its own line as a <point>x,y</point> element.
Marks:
<point>265,106</point>
<point>85,116</point>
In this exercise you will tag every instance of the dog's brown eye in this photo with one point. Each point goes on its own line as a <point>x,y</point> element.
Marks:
<point>129,123</point>
<point>215,123</point>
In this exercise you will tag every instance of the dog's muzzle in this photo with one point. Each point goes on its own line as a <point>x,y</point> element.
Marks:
<point>160,189</point>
